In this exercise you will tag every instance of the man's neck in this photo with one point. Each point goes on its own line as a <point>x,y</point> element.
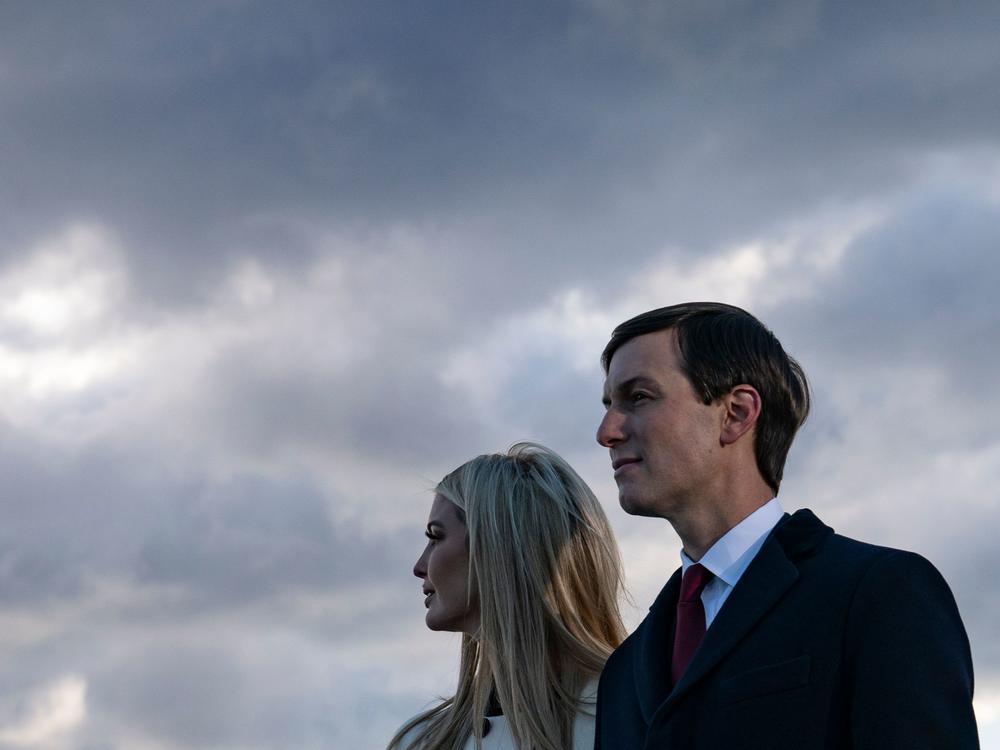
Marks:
<point>707,522</point>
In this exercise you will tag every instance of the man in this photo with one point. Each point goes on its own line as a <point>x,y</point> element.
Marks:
<point>776,632</point>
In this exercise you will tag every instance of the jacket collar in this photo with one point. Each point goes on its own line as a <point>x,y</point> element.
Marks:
<point>771,574</point>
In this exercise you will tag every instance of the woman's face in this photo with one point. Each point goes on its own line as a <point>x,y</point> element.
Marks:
<point>444,569</point>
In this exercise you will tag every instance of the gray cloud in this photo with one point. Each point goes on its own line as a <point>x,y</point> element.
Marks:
<point>917,291</point>
<point>210,136</point>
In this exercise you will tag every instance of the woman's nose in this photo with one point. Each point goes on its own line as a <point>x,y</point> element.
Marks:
<point>420,566</point>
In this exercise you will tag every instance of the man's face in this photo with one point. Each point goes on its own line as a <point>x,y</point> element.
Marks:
<point>664,441</point>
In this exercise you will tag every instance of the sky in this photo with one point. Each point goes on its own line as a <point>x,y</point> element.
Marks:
<point>268,271</point>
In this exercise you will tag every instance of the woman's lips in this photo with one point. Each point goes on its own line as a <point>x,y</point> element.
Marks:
<point>427,599</point>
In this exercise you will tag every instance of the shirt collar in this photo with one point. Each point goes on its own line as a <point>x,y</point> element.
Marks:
<point>733,552</point>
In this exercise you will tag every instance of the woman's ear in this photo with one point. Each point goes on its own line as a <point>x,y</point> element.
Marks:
<point>743,405</point>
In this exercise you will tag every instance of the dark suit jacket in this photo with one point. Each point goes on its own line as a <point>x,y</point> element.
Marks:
<point>824,643</point>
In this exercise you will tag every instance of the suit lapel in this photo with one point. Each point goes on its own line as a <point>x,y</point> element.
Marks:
<point>651,664</point>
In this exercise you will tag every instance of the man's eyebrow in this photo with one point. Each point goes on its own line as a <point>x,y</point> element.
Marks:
<point>627,385</point>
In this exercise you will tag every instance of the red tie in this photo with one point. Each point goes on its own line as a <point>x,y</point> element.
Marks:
<point>690,627</point>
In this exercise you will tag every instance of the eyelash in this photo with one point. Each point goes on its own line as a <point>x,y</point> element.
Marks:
<point>432,537</point>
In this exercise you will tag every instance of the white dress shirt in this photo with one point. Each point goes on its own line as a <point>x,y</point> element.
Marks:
<point>732,554</point>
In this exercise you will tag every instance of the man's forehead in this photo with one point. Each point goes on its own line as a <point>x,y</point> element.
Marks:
<point>644,356</point>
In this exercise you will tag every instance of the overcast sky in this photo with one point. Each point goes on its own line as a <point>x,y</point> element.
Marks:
<point>269,270</point>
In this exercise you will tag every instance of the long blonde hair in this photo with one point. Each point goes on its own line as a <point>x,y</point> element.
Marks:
<point>545,566</point>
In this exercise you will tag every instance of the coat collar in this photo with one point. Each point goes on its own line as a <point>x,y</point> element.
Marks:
<point>771,574</point>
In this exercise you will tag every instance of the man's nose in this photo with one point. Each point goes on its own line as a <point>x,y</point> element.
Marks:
<point>611,430</point>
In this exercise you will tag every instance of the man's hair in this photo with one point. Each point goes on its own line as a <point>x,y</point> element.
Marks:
<point>724,346</point>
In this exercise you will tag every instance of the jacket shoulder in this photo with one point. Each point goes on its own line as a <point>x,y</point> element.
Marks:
<point>869,559</point>
<point>619,664</point>
<point>803,536</point>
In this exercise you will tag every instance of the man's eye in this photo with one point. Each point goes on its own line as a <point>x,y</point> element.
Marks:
<point>639,397</point>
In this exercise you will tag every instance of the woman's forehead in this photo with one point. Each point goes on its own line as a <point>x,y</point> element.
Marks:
<point>443,512</point>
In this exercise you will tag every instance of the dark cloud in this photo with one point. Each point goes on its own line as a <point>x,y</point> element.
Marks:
<point>205,131</point>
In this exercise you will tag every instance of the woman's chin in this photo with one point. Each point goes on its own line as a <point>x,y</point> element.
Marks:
<point>449,625</point>
<point>451,619</point>
<point>434,622</point>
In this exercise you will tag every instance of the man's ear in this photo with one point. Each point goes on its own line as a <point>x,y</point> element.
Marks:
<point>742,411</point>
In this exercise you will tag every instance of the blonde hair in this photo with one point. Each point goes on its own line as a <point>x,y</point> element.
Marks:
<point>545,566</point>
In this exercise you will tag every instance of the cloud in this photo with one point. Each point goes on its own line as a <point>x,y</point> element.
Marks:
<point>45,714</point>
<point>211,142</point>
<point>57,305</point>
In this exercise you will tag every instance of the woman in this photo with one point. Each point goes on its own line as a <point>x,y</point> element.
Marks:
<point>521,560</point>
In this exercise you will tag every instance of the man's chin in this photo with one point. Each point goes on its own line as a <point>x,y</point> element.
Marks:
<point>633,505</point>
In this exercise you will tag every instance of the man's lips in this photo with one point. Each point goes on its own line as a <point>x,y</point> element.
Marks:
<point>620,464</point>
<point>427,598</point>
